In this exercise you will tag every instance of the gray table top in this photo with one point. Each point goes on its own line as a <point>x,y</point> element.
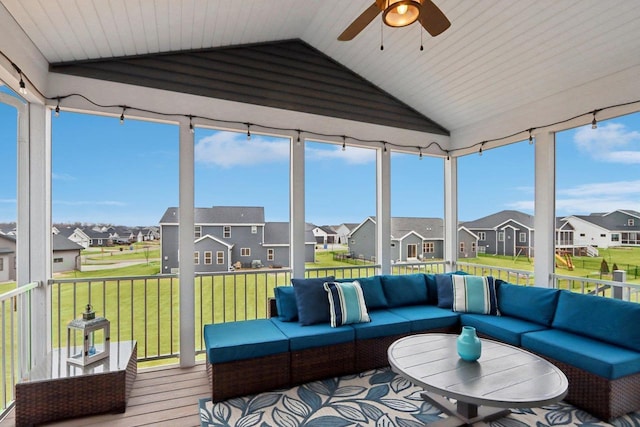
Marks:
<point>504,376</point>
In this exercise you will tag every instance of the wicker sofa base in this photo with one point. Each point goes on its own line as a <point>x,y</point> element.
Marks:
<point>251,376</point>
<point>601,397</point>
<point>322,362</point>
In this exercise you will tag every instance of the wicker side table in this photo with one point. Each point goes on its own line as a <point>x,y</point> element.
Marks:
<point>57,390</point>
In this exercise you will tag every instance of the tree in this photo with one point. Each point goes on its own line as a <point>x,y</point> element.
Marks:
<point>604,267</point>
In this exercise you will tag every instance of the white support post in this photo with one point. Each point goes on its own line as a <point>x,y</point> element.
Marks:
<point>296,206</point>
<point>451,213</point>
<point>186,214</point>
<point>383,210</point>
<point>544,222</point>
<point>33,243</point>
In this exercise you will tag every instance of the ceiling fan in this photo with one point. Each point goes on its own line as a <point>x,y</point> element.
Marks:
<point>400,13</point>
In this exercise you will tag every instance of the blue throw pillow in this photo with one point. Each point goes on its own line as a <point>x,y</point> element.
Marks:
<point>346,303</point>
<point>407,289</point>
<point>286,303</point>
<point>474,294</point>
<point>373,293</point>
<point>445,290</point>
<point>527,302</point>
<point>311,299</point>
<point>444,283</point>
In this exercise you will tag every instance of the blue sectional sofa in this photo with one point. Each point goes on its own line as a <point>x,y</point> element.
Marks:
<point>319,331</point>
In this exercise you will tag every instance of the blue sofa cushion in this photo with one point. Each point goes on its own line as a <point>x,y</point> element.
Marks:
<point>605,319</point>
<point>346,303</point>
<point>228,342</point>
<point>383,323</point>
<point>527,302</point>
<point>312,300</point>
<point>318,335</point>
<point>372,290</point>
<point>426,317</point>
<point>474,294</point>
<point>286,303</point>
<point>502,328</point>
<point>600,358</point>
<point>406,289</point>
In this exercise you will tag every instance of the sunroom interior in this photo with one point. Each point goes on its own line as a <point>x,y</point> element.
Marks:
<point>503,72</point>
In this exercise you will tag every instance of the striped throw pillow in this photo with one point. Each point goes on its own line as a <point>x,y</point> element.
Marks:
<point>474,294</point>
<point>346,303</point>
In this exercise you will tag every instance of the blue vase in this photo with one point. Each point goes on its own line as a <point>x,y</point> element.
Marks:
<point>469,345</point>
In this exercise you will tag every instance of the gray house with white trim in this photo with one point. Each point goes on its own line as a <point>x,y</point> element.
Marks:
<point>412,239</point>
<point>507,232</point>
<point>229,237</point>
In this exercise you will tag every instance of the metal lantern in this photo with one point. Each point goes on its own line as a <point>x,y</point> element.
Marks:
<point>87,329</point>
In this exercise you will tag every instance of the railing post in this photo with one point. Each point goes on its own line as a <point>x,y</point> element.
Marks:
<point>620,292</point>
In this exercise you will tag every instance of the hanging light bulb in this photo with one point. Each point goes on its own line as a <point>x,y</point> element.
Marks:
<point>530,137</point>
<point>298,139</point>
<point>122,116</point>
<point>385,148</point>
<point>58,108</point>
<point>23,87</point>
<point>594,122</point>
<point>480,150</point>
<point>344,144</point>
<point>191,125</point>
<point>420,153</point>
<point>248,132</point>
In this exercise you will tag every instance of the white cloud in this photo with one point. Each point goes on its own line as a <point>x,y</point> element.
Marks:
<point>589,198</point>
<point>351,155</point>
<point>610,142</point>
<point>227,149</point>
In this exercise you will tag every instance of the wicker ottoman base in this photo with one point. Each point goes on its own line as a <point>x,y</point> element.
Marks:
<point>57,391</point>
<point>251,376</point>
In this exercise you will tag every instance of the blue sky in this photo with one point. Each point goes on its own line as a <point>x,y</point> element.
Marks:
<point>128,174</point>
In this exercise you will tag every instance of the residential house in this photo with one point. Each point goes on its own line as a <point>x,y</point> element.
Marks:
<point>325,235</point>
<point>616,228</point>
<point>412,239</point>
<point>343,230</point>
<point>147,234</point>
<point>227,237</point>
<point>66,255</point>
<point>507,232</point>
<point>98,238</point>
<point>7,258</point>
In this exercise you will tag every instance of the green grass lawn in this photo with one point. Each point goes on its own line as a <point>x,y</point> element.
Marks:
<point>583,266</point>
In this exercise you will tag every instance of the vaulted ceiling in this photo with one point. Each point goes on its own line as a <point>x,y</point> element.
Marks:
<point>502,67</point>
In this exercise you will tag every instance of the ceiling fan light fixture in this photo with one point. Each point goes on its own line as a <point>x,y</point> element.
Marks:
<point>400,13</point>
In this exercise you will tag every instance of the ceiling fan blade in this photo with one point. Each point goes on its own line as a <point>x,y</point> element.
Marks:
<point>360,23</point>
<point>432,18</point>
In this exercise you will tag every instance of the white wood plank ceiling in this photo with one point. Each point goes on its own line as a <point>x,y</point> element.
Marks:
<point>499,56</point>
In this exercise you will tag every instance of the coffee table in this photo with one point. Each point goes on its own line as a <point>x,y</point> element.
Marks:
<point>504,377</point>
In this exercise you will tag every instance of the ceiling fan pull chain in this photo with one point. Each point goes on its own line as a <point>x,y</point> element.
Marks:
<point>381,35</point>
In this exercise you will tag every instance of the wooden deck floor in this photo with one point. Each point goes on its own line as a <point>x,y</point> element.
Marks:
<point>160,397</point>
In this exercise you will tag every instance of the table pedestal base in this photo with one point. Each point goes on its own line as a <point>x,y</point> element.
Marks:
<point>462,413</point>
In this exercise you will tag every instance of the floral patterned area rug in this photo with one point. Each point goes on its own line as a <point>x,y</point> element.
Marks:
<point>378,398</point>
